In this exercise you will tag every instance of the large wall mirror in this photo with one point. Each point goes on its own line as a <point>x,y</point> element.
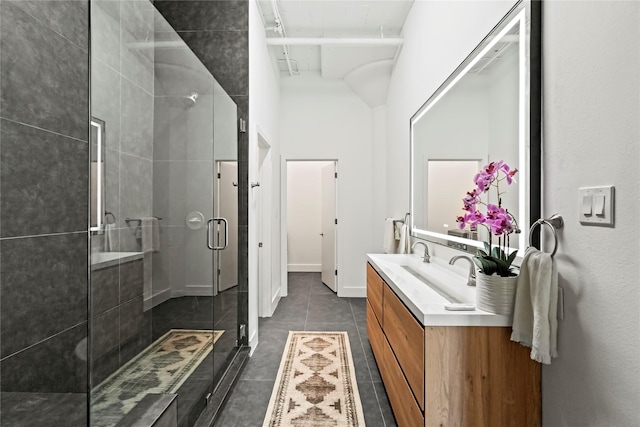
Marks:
<point>487,110</point>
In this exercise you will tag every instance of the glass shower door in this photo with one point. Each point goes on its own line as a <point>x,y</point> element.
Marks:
<point>159,325</point>
<point>225,300</point>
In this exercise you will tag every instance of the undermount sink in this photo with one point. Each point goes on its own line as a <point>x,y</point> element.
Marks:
<point>430,284</point>
<point>442,283</point>
<point>427,288</point>
<point>101,260</point>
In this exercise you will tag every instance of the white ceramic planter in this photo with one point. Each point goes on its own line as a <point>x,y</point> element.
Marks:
<point>496,294</point>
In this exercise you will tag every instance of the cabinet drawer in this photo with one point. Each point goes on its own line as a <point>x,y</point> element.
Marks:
<point>405,408</point>
<point>374,292</point>
<point>376,337</point>
<point>406,337</point>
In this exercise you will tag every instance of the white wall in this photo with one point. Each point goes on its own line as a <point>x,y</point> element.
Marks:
<point>591,134</point>
<point>379,176</point>
<point>263,119</point>
<point>304,216</point>
<point>324,120</point>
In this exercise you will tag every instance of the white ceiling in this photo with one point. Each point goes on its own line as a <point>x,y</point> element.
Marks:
<point>336,19</point>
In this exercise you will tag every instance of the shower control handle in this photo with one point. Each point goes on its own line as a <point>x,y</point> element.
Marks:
<point>226,234</point>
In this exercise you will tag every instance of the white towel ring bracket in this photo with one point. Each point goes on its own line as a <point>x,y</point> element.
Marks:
<point>555,223</point>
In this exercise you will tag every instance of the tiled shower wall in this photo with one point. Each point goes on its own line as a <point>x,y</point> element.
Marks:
<point>122,96</point>
<point>44,94</point>
<point>218,33</point>
<point>122,75</point>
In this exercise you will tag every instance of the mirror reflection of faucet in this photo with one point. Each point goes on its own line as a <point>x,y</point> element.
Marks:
<point>471,281</point>
<point>109,217</point>
<point>426,257</point>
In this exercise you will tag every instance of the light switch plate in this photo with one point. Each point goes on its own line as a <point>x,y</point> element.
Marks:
<point>595,195</point>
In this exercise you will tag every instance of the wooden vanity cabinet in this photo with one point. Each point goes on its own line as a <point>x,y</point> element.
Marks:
<point>374,292</point>
<point>406,337</point>
<point>445,376</point>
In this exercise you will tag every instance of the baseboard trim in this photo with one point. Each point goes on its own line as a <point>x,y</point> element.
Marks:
<point>253,342</point>
<point>194,291</point>
<point>274,303</point>
<point>304,268</point>
<point>352,292</point>
<point>157,299</point>
<point>166,294</point>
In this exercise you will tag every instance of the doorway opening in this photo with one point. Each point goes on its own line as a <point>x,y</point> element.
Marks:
<point>227,207</point>
<point>312,221</point>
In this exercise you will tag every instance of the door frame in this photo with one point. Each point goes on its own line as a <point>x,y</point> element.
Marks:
<point>284,221</point>
<point>267,298</point>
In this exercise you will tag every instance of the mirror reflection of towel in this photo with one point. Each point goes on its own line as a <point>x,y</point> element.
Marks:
<point>390,242</point>
<point>109,237</point>
<point>150,234</point>
<point>404,246</point>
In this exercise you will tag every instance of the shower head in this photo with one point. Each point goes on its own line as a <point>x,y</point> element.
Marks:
<point>190,101</point>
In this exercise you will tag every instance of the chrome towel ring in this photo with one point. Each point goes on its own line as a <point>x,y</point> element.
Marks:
<point>555,222</point>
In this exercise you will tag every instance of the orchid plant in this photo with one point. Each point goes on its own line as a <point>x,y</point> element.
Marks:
<point>498,221</point>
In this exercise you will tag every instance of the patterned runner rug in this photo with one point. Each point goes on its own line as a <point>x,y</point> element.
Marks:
<point>160,368</point>
<point>316,383</point>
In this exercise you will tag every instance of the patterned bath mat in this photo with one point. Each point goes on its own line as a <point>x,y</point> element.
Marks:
<point>316,383</point>
<point>160,368</point>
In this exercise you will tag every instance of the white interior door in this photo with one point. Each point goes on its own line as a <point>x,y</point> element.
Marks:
<point>329,226</point>
<point>228,208</point>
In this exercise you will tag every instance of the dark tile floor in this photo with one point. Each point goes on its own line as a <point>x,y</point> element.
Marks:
<point>310,306</point>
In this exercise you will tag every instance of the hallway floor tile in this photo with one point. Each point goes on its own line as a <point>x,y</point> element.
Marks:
<point>310,306</point>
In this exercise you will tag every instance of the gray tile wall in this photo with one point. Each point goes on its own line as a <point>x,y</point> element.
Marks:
<point>120,327</point>
<point>217,32</point>
<point>44,93</point>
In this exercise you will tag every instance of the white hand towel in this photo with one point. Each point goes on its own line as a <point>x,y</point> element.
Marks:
<point>535,321</point>
<point>390,242</point>
<point>404,246</point>
<point>150,234</point>
<point>109,237</point>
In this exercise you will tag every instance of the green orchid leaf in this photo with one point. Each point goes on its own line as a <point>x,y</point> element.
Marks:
<point>512,257</point>
<point>496,252</point>
<point>487,264</point>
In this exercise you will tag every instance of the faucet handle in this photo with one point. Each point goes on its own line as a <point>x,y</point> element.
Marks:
<point>426,257</point>
<point>471,281</point>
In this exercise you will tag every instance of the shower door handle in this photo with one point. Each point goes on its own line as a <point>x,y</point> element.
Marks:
<point>226,234</point>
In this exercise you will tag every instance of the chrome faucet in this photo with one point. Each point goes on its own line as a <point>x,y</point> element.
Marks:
<point>472,271</point>
<point>426,257</point>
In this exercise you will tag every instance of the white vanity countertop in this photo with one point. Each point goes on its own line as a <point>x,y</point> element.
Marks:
<point>107,259</point>
<point>425,302</point>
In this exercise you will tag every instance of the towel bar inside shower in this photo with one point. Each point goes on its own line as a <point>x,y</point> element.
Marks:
<point>139,220</point>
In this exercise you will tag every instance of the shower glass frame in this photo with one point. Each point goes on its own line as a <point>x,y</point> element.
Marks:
<point>144,38</point>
